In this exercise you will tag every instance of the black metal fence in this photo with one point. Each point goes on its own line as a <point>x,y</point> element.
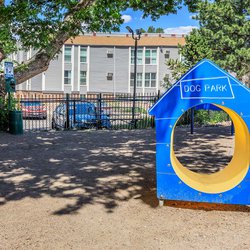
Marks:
<point>98,111</point>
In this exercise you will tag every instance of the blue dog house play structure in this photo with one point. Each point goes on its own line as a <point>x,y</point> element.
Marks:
<point>205,83</point>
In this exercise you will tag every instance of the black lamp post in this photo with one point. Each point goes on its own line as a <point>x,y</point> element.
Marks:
<point>136,36</point>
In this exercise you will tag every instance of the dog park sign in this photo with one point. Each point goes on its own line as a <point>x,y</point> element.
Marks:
<point>210,87</point>
<point>205,83</point>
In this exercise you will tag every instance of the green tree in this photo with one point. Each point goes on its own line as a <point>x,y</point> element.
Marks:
<point>178,68</point>
<point>46,25</point>
<point>152,29</point>
<point>223,37</point>
<point>159,30</point>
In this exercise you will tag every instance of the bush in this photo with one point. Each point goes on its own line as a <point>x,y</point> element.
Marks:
<point>4,121</point>
<point>203,117</point>
<point>185,119</point>
<point>4,110</point>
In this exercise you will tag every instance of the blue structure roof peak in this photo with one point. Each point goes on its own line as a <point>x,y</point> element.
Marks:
<point>204,82</point>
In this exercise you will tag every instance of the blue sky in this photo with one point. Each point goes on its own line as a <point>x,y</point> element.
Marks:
<point>180,23</point>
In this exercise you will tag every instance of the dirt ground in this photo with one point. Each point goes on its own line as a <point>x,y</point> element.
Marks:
<point>96,190</point>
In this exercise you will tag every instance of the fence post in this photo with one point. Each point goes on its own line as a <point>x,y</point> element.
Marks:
<point>74,112</point>
<point>192,121</point>
<point>99,111</point>
<point>67,111</point>
<point>158,94</point>
<point>133,123</point>
<point>232,128</point>
<point>156,98</point>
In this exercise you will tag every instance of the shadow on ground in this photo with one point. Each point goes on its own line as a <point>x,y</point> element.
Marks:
<point>207,151</point>
<point>86,167</point>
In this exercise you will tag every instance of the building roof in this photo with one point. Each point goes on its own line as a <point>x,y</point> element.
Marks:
<point>126,40</point>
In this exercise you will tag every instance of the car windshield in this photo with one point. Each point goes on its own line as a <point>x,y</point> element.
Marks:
<point>82,109</point>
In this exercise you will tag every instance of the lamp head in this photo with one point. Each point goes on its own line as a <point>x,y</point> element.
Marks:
<point>129,30</point>
<point>138,32</point>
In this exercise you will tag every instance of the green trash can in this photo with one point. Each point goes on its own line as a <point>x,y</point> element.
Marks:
<point>16,122</point>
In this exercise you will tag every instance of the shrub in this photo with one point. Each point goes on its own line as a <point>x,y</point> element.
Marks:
<point>5,106</point>
<point>203,117</point>
<point>4,121</point>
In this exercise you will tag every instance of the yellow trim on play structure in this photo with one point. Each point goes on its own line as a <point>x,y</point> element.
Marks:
<point>232,174</point>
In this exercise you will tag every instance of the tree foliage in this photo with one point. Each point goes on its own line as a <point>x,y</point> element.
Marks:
<point>223,37</point>
<point>46,25</point>
<point>152,29</point>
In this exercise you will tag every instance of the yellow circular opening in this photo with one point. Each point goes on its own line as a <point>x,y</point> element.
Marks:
<point>231,175</point>
<point>210,148</point>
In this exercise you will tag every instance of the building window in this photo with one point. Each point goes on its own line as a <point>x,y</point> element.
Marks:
<point>167,54</point>
<point>150,56</point>
<point>138,79</point>
<point>139,56</point>
<point>67,54</point>
<point>83,55</point>
<point>166,77</point>
<point>109,76</point>
<point>83,78</point>
<point>150,80</point>
<point>110,54</point>
<point>67,76</point>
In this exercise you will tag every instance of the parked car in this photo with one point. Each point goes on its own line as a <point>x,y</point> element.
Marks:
<point>81,115</point>
<point>33,109</point>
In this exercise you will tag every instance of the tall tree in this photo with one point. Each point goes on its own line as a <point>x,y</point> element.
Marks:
<point>152,29</point>
<point>46,25</point>
<point>223,37</point>
<point>159,30</point>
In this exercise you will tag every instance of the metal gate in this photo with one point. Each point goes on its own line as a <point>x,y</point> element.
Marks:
<point>92,111</point>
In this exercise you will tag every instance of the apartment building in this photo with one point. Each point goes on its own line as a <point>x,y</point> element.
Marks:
<point>105,63</point>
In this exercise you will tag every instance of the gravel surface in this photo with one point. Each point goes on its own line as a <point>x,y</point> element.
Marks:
<point>96,190</point>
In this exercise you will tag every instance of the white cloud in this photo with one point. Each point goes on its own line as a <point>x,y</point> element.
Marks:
<point>179,30</point>
<point>126,18</point>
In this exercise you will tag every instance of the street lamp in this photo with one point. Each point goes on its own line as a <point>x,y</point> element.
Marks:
<point>136,36</point>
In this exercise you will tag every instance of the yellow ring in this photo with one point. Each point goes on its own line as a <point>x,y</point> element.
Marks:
<point>232,174</point>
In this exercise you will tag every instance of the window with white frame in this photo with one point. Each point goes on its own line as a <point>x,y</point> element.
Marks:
<point>167,54</point>
<point>109,76</point>
<point>109,54</point>
<point>150,56</point>
<point>166,77</point>
<point>139,56</point>
<point>67,76</point>
<point>150,80</point>
<point>138,79</point>
<point>83,54</point>
<point>67,54</point>
<point>83,78</point>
